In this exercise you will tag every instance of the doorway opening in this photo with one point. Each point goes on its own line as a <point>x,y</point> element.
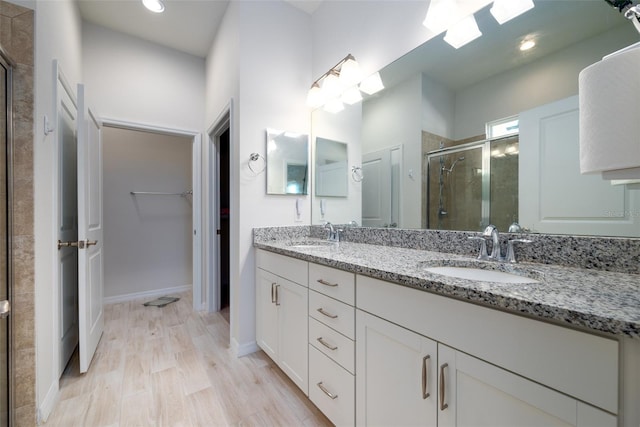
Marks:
<point>220,216</point>
<point>148,214</point>
<point>224,222</point>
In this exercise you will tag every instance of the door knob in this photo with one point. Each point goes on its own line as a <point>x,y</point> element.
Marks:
<point>92,243</point>
<point>62,244</point>
<point>5,309</point>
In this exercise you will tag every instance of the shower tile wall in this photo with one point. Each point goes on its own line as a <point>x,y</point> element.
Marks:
<point>16,38</point>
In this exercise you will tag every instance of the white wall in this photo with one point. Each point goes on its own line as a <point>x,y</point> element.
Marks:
<point>549,79</point>
<point>438,108</point>
<point>394,118</point>
<point>265,68</point>
<point>147,239</point>
<point>131,79</point>
<point>57,36</point>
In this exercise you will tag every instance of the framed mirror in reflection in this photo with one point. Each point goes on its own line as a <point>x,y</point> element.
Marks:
<point>331,168</point>
<point>287,162</point>
<point>437,119</point>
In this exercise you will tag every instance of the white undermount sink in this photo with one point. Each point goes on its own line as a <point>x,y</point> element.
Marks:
<point>483,271</point>
<point>301,244</point>
<point>480,275</point>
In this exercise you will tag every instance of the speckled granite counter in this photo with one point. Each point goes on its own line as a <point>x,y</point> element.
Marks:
<point>598,300</point>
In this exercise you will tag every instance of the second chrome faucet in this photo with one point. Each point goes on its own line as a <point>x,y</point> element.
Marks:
<point>491,233</point>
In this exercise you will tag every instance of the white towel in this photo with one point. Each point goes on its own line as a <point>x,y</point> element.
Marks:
<point>609,93</point>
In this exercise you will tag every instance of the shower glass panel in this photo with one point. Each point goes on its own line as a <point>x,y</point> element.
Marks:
<point>455,189</point>
<point>472,186</point>
<point>503,207</point>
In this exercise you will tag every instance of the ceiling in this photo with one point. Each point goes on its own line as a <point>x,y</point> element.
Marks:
<point>186,25</point>
<point>554,25</point>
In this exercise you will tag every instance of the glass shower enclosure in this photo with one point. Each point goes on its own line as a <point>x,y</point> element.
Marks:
<point>473,185</point>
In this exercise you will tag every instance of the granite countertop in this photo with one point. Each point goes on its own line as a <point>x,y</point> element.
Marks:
<point>597,300</point>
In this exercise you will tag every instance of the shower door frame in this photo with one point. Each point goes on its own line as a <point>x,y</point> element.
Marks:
<point>8,64</point>
<point>485,145</point>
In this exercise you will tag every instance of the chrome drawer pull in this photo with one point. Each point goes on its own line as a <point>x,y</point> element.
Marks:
<point>326,344</point>
<point>443,405</point>
<point>273,293</point>
<point>324,282</point>
<point>321,311</point>
<point>327,392</point>
<point>425,377</point>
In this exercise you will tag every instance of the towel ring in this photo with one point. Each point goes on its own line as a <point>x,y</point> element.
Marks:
<point>356,173</point>
<point>254,157</point>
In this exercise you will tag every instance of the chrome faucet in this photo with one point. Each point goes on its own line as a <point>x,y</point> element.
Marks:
<point>491,232</point>
<point>334,235</point>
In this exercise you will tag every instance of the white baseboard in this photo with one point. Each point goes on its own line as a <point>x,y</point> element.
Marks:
<point>47,405</point>
<point>146,294</point>
<point>243,349</point>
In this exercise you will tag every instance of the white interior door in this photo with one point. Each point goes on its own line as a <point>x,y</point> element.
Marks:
<point>90,230</point>
<point>67,222</point>
<point>550,177</point>
<point>376,189</point>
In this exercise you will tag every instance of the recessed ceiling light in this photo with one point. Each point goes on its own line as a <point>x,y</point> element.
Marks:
<point>154,5</point>
<point>527,44</point>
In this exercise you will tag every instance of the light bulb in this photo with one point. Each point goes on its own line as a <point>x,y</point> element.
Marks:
<point>334,106</point>
<point>463,32</point>
<point>441,15</point>
<point>154,5</point>
<point>350,73</point>
<point>351,96</point>
<point>506,10</point>
<point>527,44</point>
<point>315,96</point>
<point>372,84</point>
<point>331,85</point>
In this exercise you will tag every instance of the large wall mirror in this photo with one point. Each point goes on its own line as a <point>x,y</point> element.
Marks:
<point>287,162</point>
<point>460,138</point>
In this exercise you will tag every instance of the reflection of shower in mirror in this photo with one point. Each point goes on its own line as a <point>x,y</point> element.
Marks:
<point>453,165</point>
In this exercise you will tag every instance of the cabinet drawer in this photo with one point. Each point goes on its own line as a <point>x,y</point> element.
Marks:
<point>337,401</point>
<point>290,268</point>
<point>337,284</point>
<point>336,346</point>
<point>333,313</point>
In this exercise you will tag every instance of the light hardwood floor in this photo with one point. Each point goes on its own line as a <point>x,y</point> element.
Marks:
<point>171,366</point>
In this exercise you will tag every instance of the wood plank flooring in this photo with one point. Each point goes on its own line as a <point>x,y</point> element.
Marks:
<point>171,366</point>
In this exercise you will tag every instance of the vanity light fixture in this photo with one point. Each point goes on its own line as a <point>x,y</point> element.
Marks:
<point>351,96</point>
<point>506,10</point>
<point>447,15</point>
<point>334,105</point>
<point>372,84</point>
<point>339,86</point>
<point>441,15</point>
<point>154,5</point>
<point>463,32</point>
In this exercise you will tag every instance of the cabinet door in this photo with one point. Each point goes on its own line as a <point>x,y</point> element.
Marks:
<point>395,374</point>
<point>292,300</point>
<point>267,313</point>
<point>475,393</point>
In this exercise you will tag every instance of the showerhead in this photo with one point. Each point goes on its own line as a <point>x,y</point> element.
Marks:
<point>453,165</point>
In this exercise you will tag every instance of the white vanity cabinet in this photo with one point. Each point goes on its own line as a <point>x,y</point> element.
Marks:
<point>396,375</point>
<point>281,313</point>
<point>478,366</point>
<point>331,343</point>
